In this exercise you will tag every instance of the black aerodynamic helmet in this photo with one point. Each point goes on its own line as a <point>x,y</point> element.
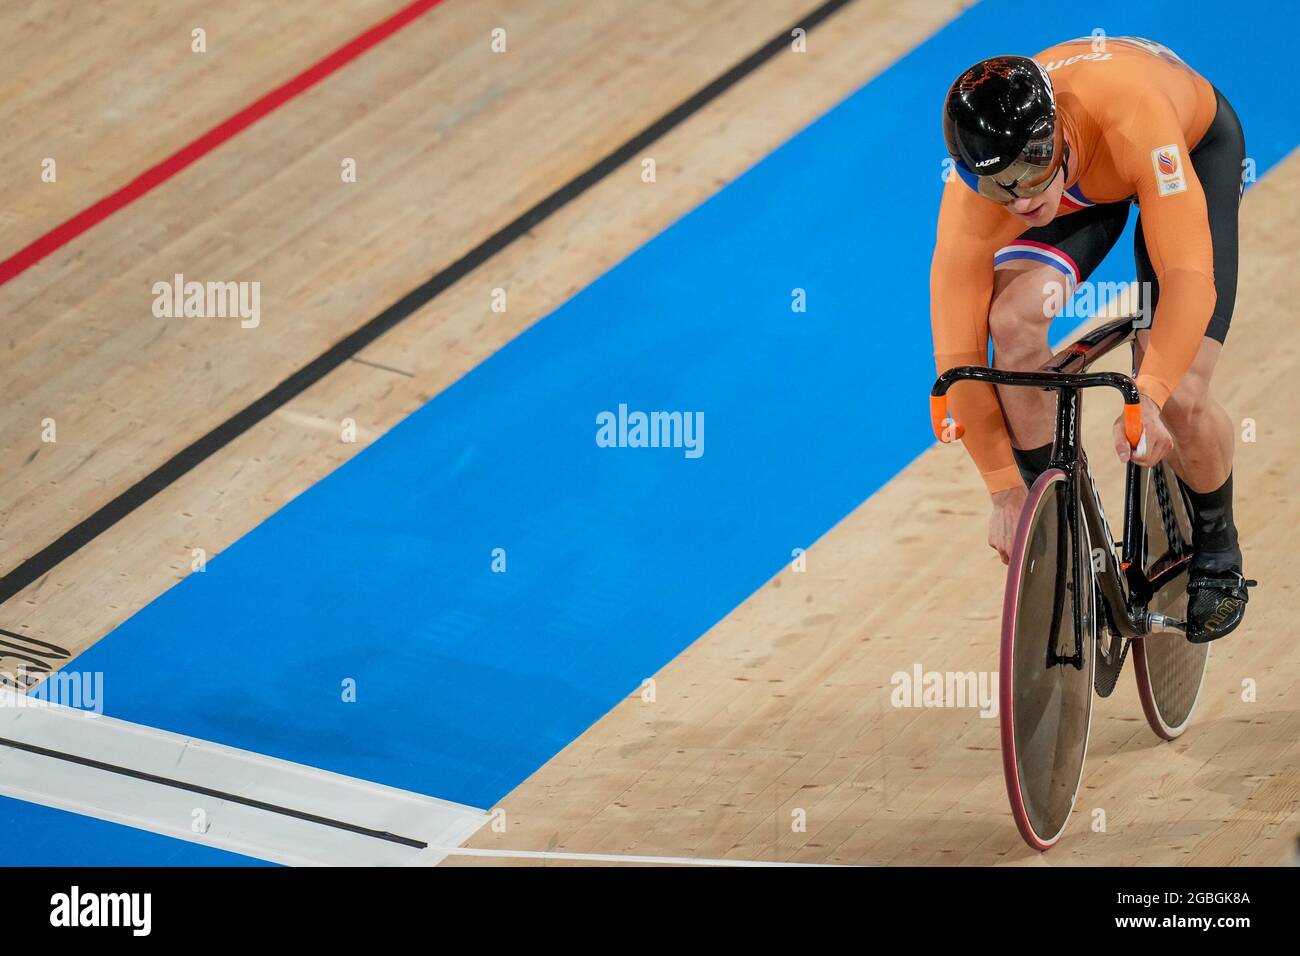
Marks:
<point>1001,128</point>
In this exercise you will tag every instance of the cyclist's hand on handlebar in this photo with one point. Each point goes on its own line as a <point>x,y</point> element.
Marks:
<point>1156,440</point>
<point>1004,519</point>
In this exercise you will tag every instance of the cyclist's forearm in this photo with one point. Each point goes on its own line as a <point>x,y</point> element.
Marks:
<point>976,406</point>
<point>1186,303</point>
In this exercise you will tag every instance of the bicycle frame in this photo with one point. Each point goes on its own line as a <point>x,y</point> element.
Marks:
<point>1126,589</point>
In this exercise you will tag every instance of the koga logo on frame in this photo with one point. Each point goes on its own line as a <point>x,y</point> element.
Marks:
<point>74,908</point>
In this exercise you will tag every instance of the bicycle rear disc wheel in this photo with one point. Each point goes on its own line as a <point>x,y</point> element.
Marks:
<point>1170,669</point>
<point>1046,705</point>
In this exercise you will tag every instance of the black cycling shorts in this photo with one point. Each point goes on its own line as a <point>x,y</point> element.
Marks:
<point>1083,238</point>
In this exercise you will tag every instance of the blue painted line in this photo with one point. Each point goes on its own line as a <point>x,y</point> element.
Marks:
<point>467,680</point>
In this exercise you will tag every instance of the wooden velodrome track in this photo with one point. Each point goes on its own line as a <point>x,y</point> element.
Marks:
<point>784,705</point>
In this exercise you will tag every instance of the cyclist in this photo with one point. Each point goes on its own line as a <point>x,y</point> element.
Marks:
<point>1050,153</point>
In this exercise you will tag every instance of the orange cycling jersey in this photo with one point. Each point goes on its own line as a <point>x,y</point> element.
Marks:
<point>1132,113</point>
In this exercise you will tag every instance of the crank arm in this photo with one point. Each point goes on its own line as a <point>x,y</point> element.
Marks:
<point>1163,623</point>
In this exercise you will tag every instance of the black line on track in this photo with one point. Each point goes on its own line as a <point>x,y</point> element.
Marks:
<point>198,451</point>
<point>60,651</point>
<point>218,794</point>
<point>382,368</point>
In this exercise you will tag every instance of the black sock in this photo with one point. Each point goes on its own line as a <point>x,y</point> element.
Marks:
<point>1032,462</point>
<point>1214,535</point>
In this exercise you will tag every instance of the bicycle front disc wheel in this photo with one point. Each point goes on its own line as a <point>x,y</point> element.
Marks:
<point>1046,673</point>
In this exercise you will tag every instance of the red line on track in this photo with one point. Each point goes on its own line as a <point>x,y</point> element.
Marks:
<point>154,176</point>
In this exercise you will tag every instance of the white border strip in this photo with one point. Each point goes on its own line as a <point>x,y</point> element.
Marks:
<point>616,858</point>
<point>209,820</point>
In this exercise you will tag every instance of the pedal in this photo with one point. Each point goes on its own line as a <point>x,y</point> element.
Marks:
<point>1164,624</point>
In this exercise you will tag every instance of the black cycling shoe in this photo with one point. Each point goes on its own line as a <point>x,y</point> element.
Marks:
<point>1216,603</point>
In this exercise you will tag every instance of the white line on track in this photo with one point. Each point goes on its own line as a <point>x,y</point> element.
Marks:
<point>615,858</point>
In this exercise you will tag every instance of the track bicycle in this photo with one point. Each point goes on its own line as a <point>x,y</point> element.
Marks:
<point>1077,601</point>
